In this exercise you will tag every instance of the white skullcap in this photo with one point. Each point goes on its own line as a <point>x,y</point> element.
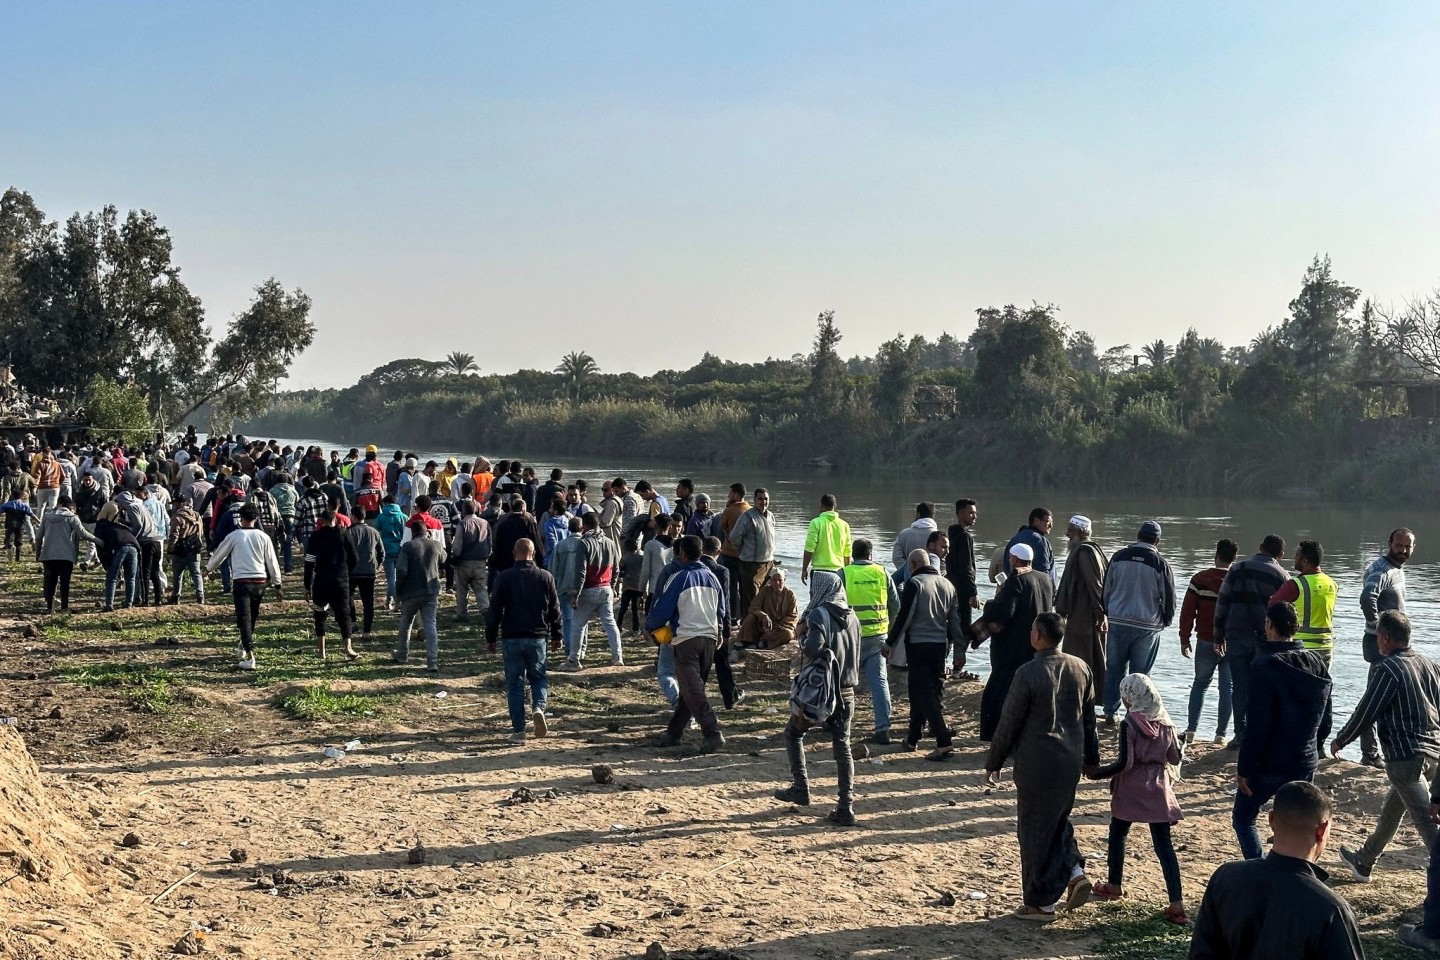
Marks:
<point>1080,521</point>
<point>1023,553</point>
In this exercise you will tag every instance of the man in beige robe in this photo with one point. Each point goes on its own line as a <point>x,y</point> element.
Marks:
<point>1078,598</point>
<point>770,621</point>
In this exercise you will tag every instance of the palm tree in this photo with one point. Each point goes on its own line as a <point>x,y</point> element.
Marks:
<point>1156,353</point>
<point>461,363</point>
<point>576,369</point>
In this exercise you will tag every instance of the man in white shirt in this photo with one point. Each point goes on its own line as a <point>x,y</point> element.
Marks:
<point>253,567</point>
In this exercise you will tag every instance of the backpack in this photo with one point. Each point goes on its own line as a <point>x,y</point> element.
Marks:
<point>269,512</point>
<point>815,691</point>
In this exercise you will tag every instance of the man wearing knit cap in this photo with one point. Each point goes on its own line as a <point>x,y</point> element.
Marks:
<point>1139,602</point>
<point>1078,598</point>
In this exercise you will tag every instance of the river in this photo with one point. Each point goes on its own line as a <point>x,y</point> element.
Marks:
<point>877,507</point>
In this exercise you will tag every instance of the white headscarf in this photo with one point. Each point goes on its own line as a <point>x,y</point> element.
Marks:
<point>1139,695</point>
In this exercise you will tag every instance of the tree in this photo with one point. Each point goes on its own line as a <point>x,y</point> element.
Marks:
<point>1080,351</point>
<point>461,364</point>
<point>256,353</point>
<point>947,353</point>
<point>116,412</point>
<point>1014,347</point>
<point>827,371</point>
<point>1118,359</point>
<point>1413,332</point>
<point>897,369</point>
<point>576,369</point>
<point>1320,329</point>
<point>1156,354</point>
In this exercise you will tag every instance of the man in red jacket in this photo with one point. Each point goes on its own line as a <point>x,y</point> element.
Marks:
<point>1197,616</point>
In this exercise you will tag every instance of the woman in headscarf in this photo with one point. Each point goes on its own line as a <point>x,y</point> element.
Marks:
<point>829,637</point>
<point>1140,789</point>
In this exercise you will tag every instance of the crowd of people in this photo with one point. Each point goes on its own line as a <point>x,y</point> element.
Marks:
<point>1070,652</point>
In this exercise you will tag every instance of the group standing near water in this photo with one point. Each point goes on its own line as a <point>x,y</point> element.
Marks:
<point>1069,653</point>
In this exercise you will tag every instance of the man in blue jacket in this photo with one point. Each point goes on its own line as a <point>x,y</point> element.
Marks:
<point>692,604</point>
<point>1289,719</point>
<point>1138,601</point>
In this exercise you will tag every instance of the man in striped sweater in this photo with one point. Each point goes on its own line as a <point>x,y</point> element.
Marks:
<point>1402,700</point>
<point>1240,620</point>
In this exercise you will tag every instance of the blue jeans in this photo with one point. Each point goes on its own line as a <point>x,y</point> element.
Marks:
<point>1206,663</point>
<point>1128,650</point>
<point>126,560</point>
<point>1247,809</point>
<point>524,659</point>
<point>567,619</point>
<point>595,603</point>
<point>665,674</point>
<point>878,677</point>
<point>1431,924</point>
<point>390,578</point>
<point>422,608</point>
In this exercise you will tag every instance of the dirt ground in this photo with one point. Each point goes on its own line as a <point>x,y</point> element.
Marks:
<point>140,727</point>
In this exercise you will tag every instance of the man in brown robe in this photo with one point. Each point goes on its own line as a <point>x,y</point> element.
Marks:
<point>1079,595</point>
<point>770,621</point>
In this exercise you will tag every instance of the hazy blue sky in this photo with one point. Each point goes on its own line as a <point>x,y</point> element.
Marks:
<point>646,181</point>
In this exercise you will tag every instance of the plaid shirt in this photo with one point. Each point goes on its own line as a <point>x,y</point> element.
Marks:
<point>307,514</point>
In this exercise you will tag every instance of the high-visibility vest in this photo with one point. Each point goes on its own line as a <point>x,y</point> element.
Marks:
<point>867,593</point>
<point>1316,607</point>
<point>347,471</point>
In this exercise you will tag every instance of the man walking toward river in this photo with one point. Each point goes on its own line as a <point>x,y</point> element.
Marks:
<point>1240,620</point>
<point>1139,602</point>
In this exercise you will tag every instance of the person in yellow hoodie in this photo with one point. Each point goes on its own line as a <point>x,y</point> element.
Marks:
<point>447,476</point>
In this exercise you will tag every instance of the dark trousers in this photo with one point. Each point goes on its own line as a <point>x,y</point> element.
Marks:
<point>693,658</point>
<point>247,610</point>
<point>286,536</point>
<point>839,724</point>
<point>1164,849</point>
<point>57,574</point>
<point>926,679</point>
<point>152,589</point>
<point>14,539</point>
<point>365,586</point>
<point>725,675</point>
<point>181,564</point>
<point>1430,926</point>
<point>331,596</point>
<point>630,600</point>
<point>1240,652</point>
<point>732,601</point>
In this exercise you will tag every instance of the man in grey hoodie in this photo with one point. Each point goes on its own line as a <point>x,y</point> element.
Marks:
<point>928,624</point>
<point>1138,601</point>
<point>914,536</point>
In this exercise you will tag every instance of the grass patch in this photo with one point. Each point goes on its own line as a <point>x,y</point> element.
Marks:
<point>319,702</point>
<point>148,689</point>
<point>1129,931</point>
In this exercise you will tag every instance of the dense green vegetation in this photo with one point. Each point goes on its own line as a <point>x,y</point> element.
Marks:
<point>1310,404</point>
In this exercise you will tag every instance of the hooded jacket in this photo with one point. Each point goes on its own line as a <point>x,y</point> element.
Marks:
<point>835,628</point>
<point>929,611</point>
<point>1289,713</point>
<point>910,539</point>
<point>60,536</point>
<point>391,526</point>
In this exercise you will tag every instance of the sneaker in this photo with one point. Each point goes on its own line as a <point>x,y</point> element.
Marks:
<point>1415,937</point>
<point>739,697</point>
<point>911,747</point>
<point>1376,761</point>
<point>1188,737</point>
<point>517,737</point>
<point>1233,745</point>
<point>617,661</point>
<point>795,795</point>
<point>1220,739</point>
<point>569,666</point>
<point>247,663</point>
<point>712,743</point>
<point>881,737</point>
<point>1359,870</point>
<point>665,740</point>
<point>538,720</point>
<point>844,816</point>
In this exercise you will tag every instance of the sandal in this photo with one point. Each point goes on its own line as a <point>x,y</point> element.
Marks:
<point>1176,915</point>
<point>1078,893</point>
<point>1107,891</point>
<point>1034,914</point>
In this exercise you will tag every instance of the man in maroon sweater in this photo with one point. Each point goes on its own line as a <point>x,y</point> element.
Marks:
<point>1197,616</point>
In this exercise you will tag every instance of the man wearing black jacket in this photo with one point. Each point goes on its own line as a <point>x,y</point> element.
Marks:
<point>524,610</point>
<point>330,555</point>
<point>1289,715</point>
<point>960,568</point>
<point>515,525</point>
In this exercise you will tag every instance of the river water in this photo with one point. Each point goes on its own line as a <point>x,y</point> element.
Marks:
<point>879,506</point>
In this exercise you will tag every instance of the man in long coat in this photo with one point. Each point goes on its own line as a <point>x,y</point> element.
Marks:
<point>1048,727</point>
<point>1078,598</point>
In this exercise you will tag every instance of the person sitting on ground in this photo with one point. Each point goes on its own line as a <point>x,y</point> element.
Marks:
<point>1279,907</point>
<point>772,617</point>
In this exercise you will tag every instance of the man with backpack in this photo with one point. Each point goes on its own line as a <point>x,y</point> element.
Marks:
<point>469,556</point>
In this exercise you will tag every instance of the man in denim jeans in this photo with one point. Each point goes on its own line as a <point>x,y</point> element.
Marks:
<point>872,596</point>
<point>1401,699</point>
<point>1289,719</point>
<point>1138,602</point>
<point>417,584</point>
<point>524,610</point>
<point>1197,617</point>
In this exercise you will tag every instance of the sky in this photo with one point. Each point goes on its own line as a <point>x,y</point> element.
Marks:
<point>648,181</point>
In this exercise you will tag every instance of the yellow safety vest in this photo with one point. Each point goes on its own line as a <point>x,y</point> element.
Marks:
<point>866,592</point>
<point>347,470</point>
<point>1316,606</point>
